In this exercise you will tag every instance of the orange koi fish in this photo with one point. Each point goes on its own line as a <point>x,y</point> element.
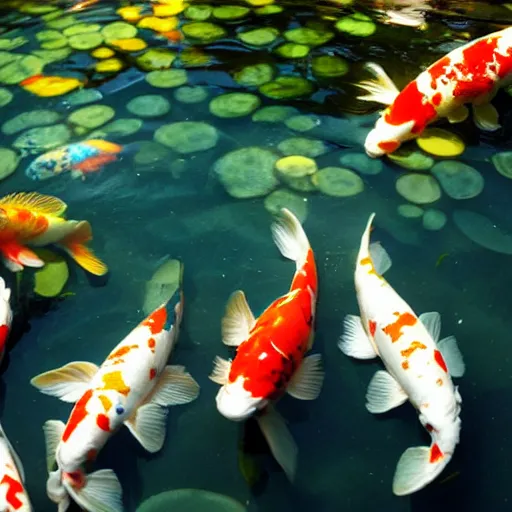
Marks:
<point>419,366</point>
<point>471,74</point>
<point>5,317</point>
<point>13,496</point>
<point>270,352</point>
<point>29,218</point>
<point>132,387</point>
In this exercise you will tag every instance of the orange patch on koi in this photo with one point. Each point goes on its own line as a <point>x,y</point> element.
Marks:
<point>389,146</point>
<point>412,347</point>
<point>121,352</point>
<point>435,453</point>
<point>439,382</point>
<point>440,360</point>
<point>394,330</point>
<point>103,422</point>
<point>115,381</point>
<point>78,414</point>
<point>372,327</point>
<point>156,321</point>
<point>405,365</point>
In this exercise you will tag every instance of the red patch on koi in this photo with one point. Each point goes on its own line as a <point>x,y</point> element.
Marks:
<point>151,344</point>
<point>4,332</point>
<point>156,321</point>
<point>78,414</point>
<point>394,330</point>
<point>437,99</point>
<point>14,488</point>
<point>77,479</point>
<point>372,327</point>
<point>435,453</point>
<point>103,422</point>
<point>389,146</point>
<point>152,373</point>
<point>429,427</point>
<point>91,455</point>
<point>440,360</point>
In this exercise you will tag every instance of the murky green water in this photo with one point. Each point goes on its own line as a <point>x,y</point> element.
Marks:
<point>163,197</point>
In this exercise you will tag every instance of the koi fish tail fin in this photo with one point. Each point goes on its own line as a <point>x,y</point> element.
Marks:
<point>280,440</point>
<point>16,256</point>
<point>418,467</point>
<point>380,258</point>
<point>74,244</point>
<point>290,238</point>
<point>102,491</point>
<point>381,89</point>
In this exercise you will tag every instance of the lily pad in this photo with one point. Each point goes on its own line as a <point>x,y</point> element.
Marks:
<point>30,119</point>
<point>48,86</point>
<point>150,153</point>
<point>149,105</point>
<point>329,66</point>
<point>191,95</point>
<point>410,211</point>
<point>274,114</point>
<point>203,31</point>
<point>304,184</point>
<point>230,12</point>
<point>308,36</point>
<point>158,24</point>
<point>234,104</point>
<point>169,8</point>
<point>292,51</point>
<point>49,56</point>
<point>199,12</point>
<point>5,96</point>
<point>49,281</point>
<point>118,128</point>
<point>51,39</point>
<point>282,198</point>
<point>194,57</point>
<point>43,138</point>
<point>356,24</point>
<point>434,220</point>
<point>131,13</point>
<point>287,87</point>
<point>81,28</point>
<point>113,65</point>
<point>118,30</point>
<point>167,78</point>
<point>296,166</point>
<point>254,75</point>
<point>103,53</point>
<point>338,182</point>
<point>92,116</point>
<point>502,161</point>
<point>7,57</point>
<point>418,188</point>
<point>9,161</point>
<point>62,22</point>
<point>439,142</point>
<point>302,123</point>
<point>155,58</point>
<point>412,160</point>
<point>86,41</point>
<point>259,36</point>
<point>21,69</point>
<point>458,180</point>
<point>247,172</point>
<point>268,10</point>
<point>187,136</point>
<point>82,97</point>
<point>162,286</point>
<point>133,44</point>
<point>362,163</point>
<point>302,146</point>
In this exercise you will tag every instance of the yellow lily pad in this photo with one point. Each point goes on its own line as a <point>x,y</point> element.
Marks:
<point>112,65</point>
<point>296,166</point>
<point>103,53</point>
<point>132,44</point>
<point>49,281</point>
<point>163,10</point>
<point>439,142</point>
<point>158,24</point>
<point>51,85</point>
<point>130,12</point>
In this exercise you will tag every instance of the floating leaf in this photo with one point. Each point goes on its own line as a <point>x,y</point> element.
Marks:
<point>49,56</point>
<point>150,153</point>
<point>413,160</point>
<point>361,163</point>
<point>82,97</point>
<point>62,22</point>
<point>296,166</point>
<point>434,220</point>
<point>48,86</point>
<point>287,87</point>
<point>163,285</point>
<point>118,128</point>
<point>103,53</point>
<point>118,30</point>
<point>274,114</point>
<point>158,24</point>
<point>254,75</point>
<point>198,12</point>
<point>44,138</point>
<point>167,78</point>
<point>268,10</point>
<point>302,146</point>
<point>49,281</point>
<point>502,162</point>
<point>21,69</point>
<point>410,211</point>
<point>192,57</point>
<point>259,36</point>
<point>155,58</point>
<point>130,12</point>
<point>338,182</point>
<point>191,95</point>
<point>418,188</point>
<point>329,66</point>
<point>292,51</point>
<point>234,104</point>
<point>282,198</point>
<point>230,12</point>
<point>113,65</point>
<point>308,36</point>
<point>203,31</point>
<point>458,180</point>
<point>133,44</point>
<point>187,137</point>
<point>172,9</point>
<point>92,116</point>
<point>9,161</point>
<point>51,39</point>
<point>302,123</point>
<point>149,105</point>
<point>5,97</point>
<point>81,28</point>
<point>86,41</point>
<point>39,117</point>
<point>439,142</point>
<point>356,24</point>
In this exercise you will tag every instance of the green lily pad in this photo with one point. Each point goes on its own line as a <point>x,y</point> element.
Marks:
<point>155,58</point>
<point>361,163</point>
<point>413,160</point>
<point>29,120</point>
<point>282,198</point>
<point>247,172</point>
<point>434,220</point>
<point>254,75</point>
<point>118,30</point>
<point>503,163</point>
<point>5,97</point>
<point>329,66</point>
<point>287,87</point>
<point>191,95</point>
<point>49,281</point>
<point>35,8</point>
<point>418,188</point>
<point>458,180</point>
<point>51,39</point>
<point>410,211</point>
<point>150,153</point>
<point>149,105</point>
<point>167,78</point>
<point>230,12</point>
<point>19,70</point>
<point>43,138</point>
<point>302,184</point>
<point>187,136</point>
<point>49,56</point>
<point>274,114</point>
<point>356,24</point>
<point>86,41</point>
<point>7,57</point>
<point>302,123</point>
<point>81,28</point>
<point>203,31</point>
<point>308,36</point>
<point>118,128</point>
<point>62,22</point>
<point>234,104</point>
<point>302,146</point>
<point>259,36</point>
<point>338,182</point>
<point>12,44</point>
<point>292,51</point>
<point>200,12</point>
<point>92,116</point>
<point>83,97</point>
<point>268,10</point>
<point>9,161</point>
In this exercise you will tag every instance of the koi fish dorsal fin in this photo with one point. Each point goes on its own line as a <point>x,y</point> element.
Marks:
<point>14,455</point>
<point>38,203</point>
<point>381,89</point>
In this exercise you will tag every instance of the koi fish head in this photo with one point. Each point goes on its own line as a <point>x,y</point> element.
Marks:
<point>386,138</point>
<point>43,167</point>
<point>236,403</point>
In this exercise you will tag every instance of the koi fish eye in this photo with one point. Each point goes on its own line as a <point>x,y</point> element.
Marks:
<point>119,409</point>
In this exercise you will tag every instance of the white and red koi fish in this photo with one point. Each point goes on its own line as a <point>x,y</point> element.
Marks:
<point>471,74</point>
<point>13,496</point>
<point>270,350</point>
<point>419,367</point>
<point>133,387</point>
<point>5,316</point>
<point>29,218</point>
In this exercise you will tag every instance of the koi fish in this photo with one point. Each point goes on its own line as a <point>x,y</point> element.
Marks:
<point>270,352</point>
<point>13,496</point>
<point>470,74</point>
<point>79,158</point>
<point>30,218</point>
<point>5,317</point>
<point>132,387</point>
<point>419,366</point>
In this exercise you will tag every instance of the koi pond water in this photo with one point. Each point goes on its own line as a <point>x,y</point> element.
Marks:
<point>178,130</point>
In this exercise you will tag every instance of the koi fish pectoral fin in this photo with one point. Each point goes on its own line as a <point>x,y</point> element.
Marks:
<point>68,383</point>
<point>452,356</point>
<point>458,114</point>
<point>238,320</point>
<point>175,387</point>
<point>432,322</point>
<point>147,425</point>
<point>53,431</point>
<point>355,342</point>
<point>220,372</point>
<point>280,440</point>
<point>486,117</point>
<point>384,393</point>
<point>307,381</point>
